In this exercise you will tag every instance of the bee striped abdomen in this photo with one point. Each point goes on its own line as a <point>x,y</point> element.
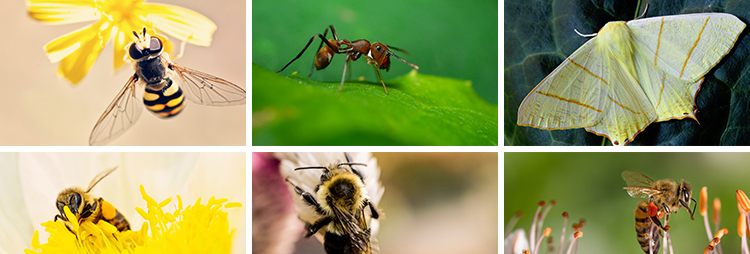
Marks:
<point>644,228</point>
<point>167,102</point>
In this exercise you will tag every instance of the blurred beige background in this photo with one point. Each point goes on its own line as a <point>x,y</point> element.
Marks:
<point>38,108</point>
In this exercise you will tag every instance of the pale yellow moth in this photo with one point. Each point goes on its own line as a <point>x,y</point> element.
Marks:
<point>632,74</point>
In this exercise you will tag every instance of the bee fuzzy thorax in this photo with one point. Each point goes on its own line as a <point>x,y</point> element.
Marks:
<point>344,190</point>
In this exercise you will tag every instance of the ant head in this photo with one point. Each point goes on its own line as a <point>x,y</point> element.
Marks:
<point>380,53</point>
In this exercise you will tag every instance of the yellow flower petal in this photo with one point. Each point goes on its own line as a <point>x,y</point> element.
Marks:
<point>78,50</point>
<point>181,23</point>
<point>60,12</point>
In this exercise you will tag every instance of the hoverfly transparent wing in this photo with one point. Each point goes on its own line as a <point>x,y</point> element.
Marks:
<point>119,115</point>
<point>99,177</point>
<point>636,179</point>
<point>205,89</point>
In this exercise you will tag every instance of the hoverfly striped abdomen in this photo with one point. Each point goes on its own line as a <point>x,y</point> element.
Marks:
<point>167,102</point>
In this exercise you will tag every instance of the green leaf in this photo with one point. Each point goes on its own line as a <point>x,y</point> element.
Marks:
<point>418,110</point>
<point>539,35</point>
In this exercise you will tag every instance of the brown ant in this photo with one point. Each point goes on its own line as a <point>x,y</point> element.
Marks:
<point>377,54</point>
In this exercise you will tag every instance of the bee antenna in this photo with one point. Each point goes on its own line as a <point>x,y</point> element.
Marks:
<point>353,164</point>
<point>136,34</point>
<point>316,167</point>
<point>144,30</point>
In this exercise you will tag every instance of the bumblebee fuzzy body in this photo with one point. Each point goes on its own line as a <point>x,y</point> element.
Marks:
<point>341,200</point>
<point>88,208</point>
<point>666,195</point>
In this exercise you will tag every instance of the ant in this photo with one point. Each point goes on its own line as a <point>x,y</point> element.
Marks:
<point>377,54</point>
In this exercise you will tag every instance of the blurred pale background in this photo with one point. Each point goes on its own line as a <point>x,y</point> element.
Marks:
<point>38,108</point>
<point>435,203</point>
<point>589,185</point>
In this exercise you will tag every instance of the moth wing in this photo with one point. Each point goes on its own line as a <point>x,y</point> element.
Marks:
<point>591,89</point>
<point>567,98</point>
<point>672,98</point>
<point>686,46</point>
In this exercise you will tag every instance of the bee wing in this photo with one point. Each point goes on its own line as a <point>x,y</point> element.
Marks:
<point>641,192</point>
<point>355,229</point>
<point>99,177</point>
<point>636,179</point>
<point>205,89</point>
<point>119,115</point>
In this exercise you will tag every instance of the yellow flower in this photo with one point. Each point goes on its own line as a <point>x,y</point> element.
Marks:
<point>78,50</point>
<point>197,228</point>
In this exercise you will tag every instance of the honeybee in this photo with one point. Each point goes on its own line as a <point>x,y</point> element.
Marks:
<point>163,94</point>
<point>341,199</point>
<point>665,196</point>
<point>88,208</point>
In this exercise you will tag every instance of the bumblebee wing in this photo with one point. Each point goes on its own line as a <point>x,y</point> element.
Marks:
<point>641,192</point>
<point>205,89</point>
<point>119,115</point>
<point>355,229</point>
<point>636,179</point>
<point>99,177</point>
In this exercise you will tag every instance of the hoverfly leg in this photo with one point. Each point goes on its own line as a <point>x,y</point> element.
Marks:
<point>182,47</point>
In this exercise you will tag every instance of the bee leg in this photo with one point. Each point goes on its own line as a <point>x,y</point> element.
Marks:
<point>374,211</point>
<point>313,228</point>
<point>307,197</point>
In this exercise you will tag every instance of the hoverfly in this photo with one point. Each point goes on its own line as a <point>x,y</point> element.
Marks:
<point>164,84</point>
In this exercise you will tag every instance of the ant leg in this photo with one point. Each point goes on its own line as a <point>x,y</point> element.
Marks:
<point>343,75</point>
<point>305,48</point>
<point>377,71</point>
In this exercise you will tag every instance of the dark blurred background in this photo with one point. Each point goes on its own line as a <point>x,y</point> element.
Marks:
<point>455,39</point>
<point>589,185</point>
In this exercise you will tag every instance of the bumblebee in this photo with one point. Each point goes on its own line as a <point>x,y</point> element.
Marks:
<point>666,196</point>
<point>341,200</point>
<point>88,208</point>
<point>163,93</point>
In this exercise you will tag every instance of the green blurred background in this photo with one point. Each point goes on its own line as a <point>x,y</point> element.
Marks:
<point>589,185</point>
<point>455,39</point>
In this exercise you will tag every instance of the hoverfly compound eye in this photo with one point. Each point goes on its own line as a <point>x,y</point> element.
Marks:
<point>136,53</point>
<point>155,46</point>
